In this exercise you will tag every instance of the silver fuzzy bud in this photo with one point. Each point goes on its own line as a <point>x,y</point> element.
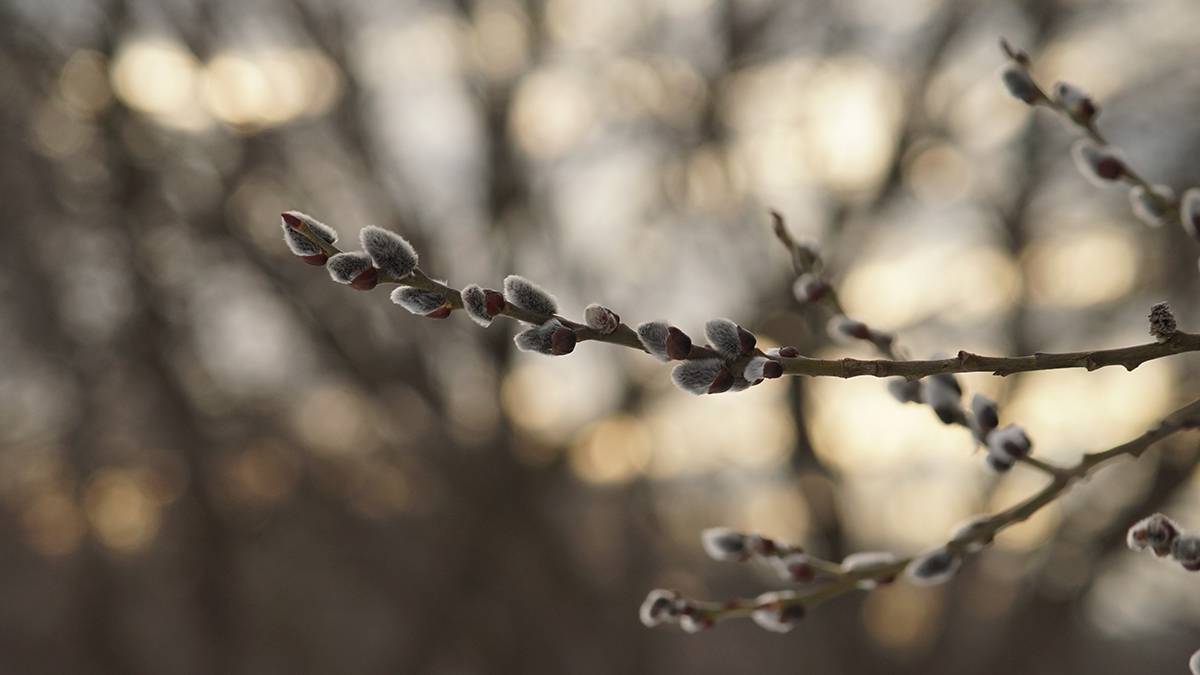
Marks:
<point>1018,82</point>
<point>390,252</point>
<point>724,337</point>
<point>724,544</point>
<point>601,319</point>
<point>934,567</point>
<point>1156,532</point>
<point>865,562</point>
<point>292,220</point>
<point>1152,206</point>
<point>659,607</point>
<point>1100,165</point>
<point>944,395</point>
<point>696,376</point>
<point>525,294</point>
<point>344,268</point>
<point>793,565</point>
<point>299,244</point>
<point>754,368</point>
<point>1076,102</point>
<point>986,415</point>
<point>475,303</point>
<point>551,338</point>
<point>653,336</point>
<point>1007,445</point>
<point>778,611</point>
<point>418,300</point>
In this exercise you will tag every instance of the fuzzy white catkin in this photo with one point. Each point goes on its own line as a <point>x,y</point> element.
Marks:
<point>1189,212</point>
<point>601,319</point>
<point>538,339</point>
<point>528,296</point>
<point>934,567</point>
<point>298,244</point>
<point>390,252</point>
<point>1009,443</point>
<point>1194,663</point>
<point>658,607</point>
<point>1156,531</point>
<point>344,267</point>
<point>1151,206</point>
<point>653,336</point>
<point>1075,100</point>
<point>985,412</point>
<point>792,566</point>
<point>944,395</point>
<point>775,614</point>
<point>754,368</point>
<point>697,375</point>
<point>723,543</point>
<point>1018,82</point>
<point>867,560</point>
<point>722,334</point>
<point>417,300</point>
<point>475,304</point>
<point>320,229</point>
<point>1102,166</point>
<point>694,623</point>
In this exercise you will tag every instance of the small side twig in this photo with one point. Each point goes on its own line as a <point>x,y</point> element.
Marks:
<point>780,610</point>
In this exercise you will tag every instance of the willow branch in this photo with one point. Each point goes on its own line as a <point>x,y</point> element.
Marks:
<point>984,530</point>
<point>965,362</point>
<point>1078,109</point>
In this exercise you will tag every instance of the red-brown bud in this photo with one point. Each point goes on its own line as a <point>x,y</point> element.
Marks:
<point>292,220</point>
<point>747,340</point>
<point>772,370</point>
<point>562,341</point>
<point>679,345</point>
<point>494,302</point>
<point>440,313</point>
<point>318,259</point>
<point>366,280</point>
<point>722,382</point>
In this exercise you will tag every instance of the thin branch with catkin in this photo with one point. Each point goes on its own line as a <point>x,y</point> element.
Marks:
<point>1098,161</point>
<point>825,580</point>
<point>730,362</point>
<point>941,391</point>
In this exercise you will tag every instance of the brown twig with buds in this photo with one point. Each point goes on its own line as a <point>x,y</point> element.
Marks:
<point>781,609</point>
<point>1096,159</point>
<point>356,270</point>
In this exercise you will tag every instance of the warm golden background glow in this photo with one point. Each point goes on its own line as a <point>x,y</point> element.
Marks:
<point>214,460</point>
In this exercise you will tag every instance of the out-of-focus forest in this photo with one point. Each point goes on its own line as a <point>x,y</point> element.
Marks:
<point>214,460</point>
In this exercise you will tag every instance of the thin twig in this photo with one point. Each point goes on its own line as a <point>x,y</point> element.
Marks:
<point>1088,128</point>
<point>965,362</point>
<point>1187,417</point>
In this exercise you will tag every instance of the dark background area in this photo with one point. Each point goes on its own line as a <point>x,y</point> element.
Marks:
<point>215,460</point>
